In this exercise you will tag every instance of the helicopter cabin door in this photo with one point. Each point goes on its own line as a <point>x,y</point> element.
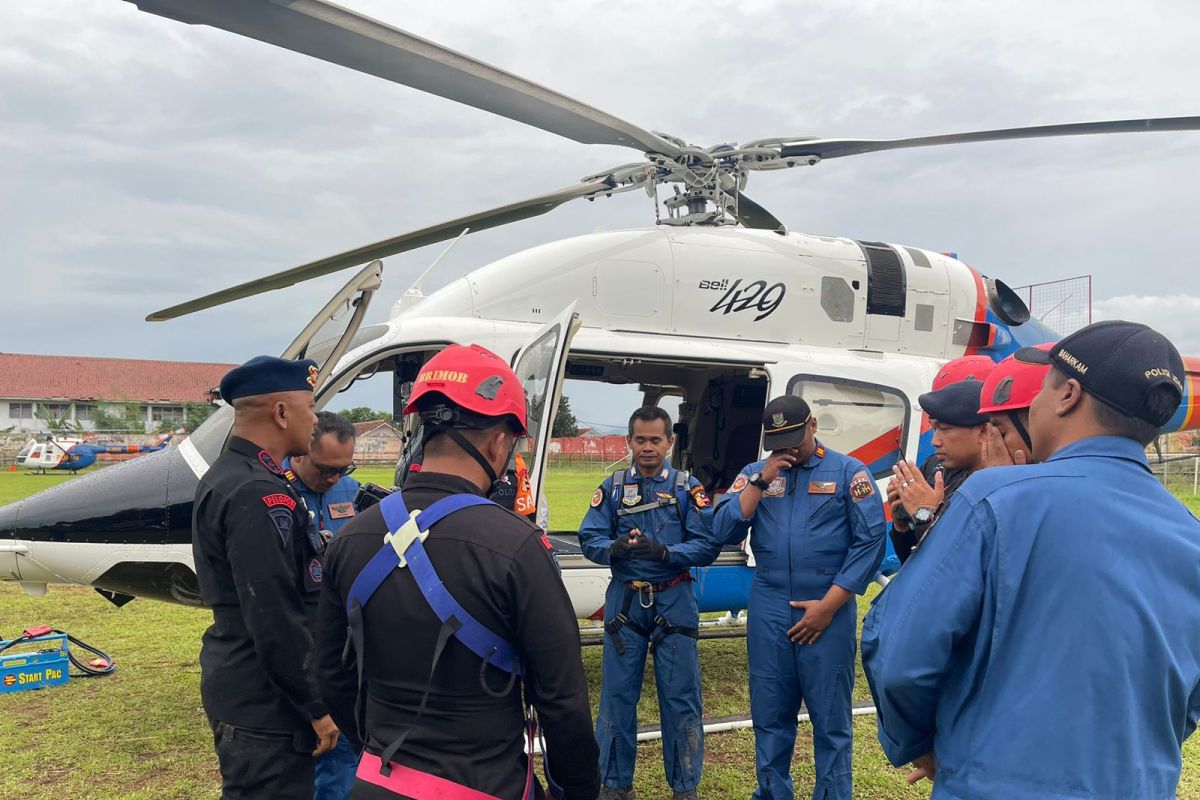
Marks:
<point>540,365</point>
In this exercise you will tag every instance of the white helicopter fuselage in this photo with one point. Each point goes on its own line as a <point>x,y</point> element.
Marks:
<point>721,318</point>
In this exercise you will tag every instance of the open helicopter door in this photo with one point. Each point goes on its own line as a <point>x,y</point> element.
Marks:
<point>354,298</point>
<point>205,444</point>
<point>541,367</point>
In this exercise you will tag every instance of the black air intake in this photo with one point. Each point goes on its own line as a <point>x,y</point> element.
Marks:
<point>886,282</point>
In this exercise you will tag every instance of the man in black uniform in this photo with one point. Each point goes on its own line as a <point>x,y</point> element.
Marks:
<point>959,433</point>
<point>256,561</point>
<point>438,718</point>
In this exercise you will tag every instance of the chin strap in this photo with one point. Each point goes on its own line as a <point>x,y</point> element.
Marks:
<point>1015,418</point>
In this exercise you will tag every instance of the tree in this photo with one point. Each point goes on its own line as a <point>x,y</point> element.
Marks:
<point>363,414</point>
<point>59,426</point>
<point>119,418</point>
<point>565,423</point>
<point>194,415</point>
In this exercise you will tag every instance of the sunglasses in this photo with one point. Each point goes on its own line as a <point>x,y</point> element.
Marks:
<point>331,472</point>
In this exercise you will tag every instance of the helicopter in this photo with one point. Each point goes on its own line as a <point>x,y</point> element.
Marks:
<point>72,455</point>
<point>730,308</point>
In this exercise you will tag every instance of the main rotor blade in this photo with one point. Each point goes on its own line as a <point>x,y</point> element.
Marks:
<point>836,148</point>
<point>534,206</point>
<point>341,36</point>
<point>751,215</point>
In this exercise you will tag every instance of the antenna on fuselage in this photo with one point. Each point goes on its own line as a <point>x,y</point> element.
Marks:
<point>414,291</point>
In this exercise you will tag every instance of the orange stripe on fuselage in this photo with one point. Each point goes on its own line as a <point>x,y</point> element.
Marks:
<point>1192,420</point>
<point>980,305</point>
<point>877,448</point>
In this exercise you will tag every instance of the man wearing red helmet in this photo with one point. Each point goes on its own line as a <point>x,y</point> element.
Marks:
<point>1006,396</point>
<point>458,618</point>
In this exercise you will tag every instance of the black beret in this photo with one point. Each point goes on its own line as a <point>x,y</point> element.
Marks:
<point>955,404</point>
<point>268,375</point>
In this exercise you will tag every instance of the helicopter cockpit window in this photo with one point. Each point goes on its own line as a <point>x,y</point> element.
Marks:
<point>863,420</point>
<point>319,351</point>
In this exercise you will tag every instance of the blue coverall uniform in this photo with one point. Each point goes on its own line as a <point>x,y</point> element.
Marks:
<point>1044,639</point>
<point>332,509</point>
<point>676,663</point>
<point>811,530</point>
<point>334,771</point>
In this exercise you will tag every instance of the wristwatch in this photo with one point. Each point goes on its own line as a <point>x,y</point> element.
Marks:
<point>756,480</point>
<point>923,515</point>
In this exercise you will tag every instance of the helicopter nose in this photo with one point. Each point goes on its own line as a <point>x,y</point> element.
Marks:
<point>99,527</point>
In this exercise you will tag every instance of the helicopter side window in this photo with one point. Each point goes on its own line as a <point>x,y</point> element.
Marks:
<point>535,370</point>
<point>864,420</point>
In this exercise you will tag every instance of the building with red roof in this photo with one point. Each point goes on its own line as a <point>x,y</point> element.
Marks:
<point>74,387</point>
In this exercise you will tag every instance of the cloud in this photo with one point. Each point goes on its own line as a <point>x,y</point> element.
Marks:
<point>145,161</point>
<point>1175,316</point>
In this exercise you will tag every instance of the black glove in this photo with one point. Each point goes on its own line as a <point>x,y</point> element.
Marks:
<point>504,492</point>
<point>622,547</point>
<point>647,549</point>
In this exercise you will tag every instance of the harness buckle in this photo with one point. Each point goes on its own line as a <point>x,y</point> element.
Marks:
<point>403,538</point>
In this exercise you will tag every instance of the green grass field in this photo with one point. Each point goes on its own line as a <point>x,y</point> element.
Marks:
<point>140,732</point>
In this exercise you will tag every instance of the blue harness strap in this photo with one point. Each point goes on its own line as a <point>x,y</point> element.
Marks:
<point>492,649</point>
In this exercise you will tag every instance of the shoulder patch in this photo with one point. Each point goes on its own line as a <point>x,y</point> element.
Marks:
<point>545,540</point>
<point>314,570</point>
<point>861,485</point>
<point>739,483</point>
<point>273,500</point>
<point>269,463</point>
<point>281,518</point>
<point>597,497</point>
<point>700,497</point>
<point>820,451</point>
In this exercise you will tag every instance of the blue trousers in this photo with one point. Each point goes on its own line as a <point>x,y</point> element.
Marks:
<point>677,675</point>
<point>335,772</point>
<point>782,675</point>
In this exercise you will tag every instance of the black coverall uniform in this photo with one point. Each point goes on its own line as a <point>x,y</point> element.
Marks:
<point>498,566</point>
<point>257,565</point>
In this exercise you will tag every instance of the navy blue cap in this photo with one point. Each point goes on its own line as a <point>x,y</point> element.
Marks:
<point>1122,364</point>
<point>268,375</point>
<point>955,404</point>
<point>784,421</point>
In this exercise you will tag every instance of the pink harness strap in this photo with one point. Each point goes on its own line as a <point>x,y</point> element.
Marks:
<point>414,783</point>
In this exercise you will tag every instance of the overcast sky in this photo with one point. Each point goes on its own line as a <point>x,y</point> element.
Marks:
<point>144,162</point>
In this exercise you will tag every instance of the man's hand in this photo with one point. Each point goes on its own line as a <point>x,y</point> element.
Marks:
<point>646,549</point>
<point>923,767</point>
<point>995,451</point>
<point>327,734</point>
<point>779,461</point>
<point>817,616</point>
<point>622,546</point>
<point>899,521</point>
<point>915,492</point>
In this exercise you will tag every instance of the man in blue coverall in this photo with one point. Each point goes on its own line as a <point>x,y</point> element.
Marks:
<point>818,540</point>
<point>322,479</point>
<point>651,523</point>
<point>1045,641</point>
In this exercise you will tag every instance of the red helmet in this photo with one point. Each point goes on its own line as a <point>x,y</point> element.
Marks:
<point>964,368</point>
<point>1012,385</point>
<point>473,378</point>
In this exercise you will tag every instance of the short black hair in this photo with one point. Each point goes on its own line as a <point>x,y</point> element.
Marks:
<point>1117,422</point>
<point>335,424</point>
<point>649,414</point>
